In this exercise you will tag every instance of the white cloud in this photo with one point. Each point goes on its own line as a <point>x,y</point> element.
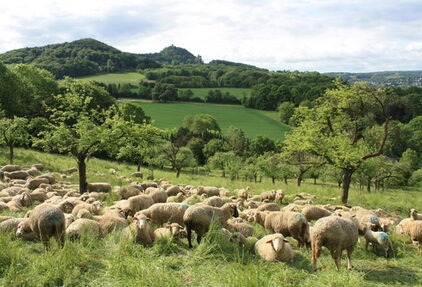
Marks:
<point>320,35</point>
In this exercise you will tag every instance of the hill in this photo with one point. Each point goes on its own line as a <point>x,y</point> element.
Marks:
<point>390,78</point>
<point>252,122</point>
<point>174,56</point>
<point>78,58</point>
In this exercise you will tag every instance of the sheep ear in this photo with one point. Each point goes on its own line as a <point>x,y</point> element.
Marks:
<point>339,215</point>
<point>285,240</point>
<point>269,241</point>
<point>135,218</point>
<point>353,215</point>
<point>148,219</point>
<point>168,226</point>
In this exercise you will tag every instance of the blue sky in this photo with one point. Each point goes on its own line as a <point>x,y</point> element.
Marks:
<point>305,35</point>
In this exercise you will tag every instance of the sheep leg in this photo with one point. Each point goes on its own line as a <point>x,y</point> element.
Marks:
<point>189,233</point>
<point>366,245</point>
<point>316,250</point>
<point>336,254</point>
<point>349,258</point>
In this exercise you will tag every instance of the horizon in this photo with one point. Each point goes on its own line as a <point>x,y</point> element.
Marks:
<point>308,35</point>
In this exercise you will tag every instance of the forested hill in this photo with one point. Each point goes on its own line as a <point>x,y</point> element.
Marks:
<point>174,55</point>
<point>391,78</point>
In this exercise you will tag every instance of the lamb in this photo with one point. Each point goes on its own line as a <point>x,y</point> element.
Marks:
<point>287,223</point>
<point>93,208</point>
<point>173,230</point>
<point>129,191</point>
<point>274,247</point>
<point>140,232</point>
<point>83,225</point>
<point>198,218</point>
<point>157,194</point>
<point>215,201</point>
<point>335,233</point>
<point>99,187</point>
<point>312,212</point>
<point>378,238</point>
<point>45,221</point>
<point>161,213</point>
<point>415,215</point>
<point>413,229</point>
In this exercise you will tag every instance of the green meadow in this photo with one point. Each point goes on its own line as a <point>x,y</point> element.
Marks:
<point>116,78</point>
<point>252,122</point>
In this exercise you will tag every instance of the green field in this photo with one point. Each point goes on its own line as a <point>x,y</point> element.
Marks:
<point>116,78</point>
<point>112,261</point>
<point>203,92</point>
<point>252,122</point>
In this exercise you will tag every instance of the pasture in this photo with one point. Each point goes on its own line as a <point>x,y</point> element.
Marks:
<point>252,122</point>
<point>116,78</point>
<point>201,93</point>
<point>112,261</point>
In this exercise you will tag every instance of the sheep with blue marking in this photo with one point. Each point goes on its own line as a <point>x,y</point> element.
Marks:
<point>378,238</point>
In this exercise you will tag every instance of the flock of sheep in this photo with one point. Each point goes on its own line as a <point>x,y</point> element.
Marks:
<point>180,209</point>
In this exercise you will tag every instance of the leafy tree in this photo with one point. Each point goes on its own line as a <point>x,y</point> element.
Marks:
<point>261,145</point>
<point>249,170</point>
<point>12,132</point>
<point>285,111</point>
<point>222,161</point>
<point>413,129</point>
<point>133,112</point>
<point>333,130</point>
<point>236,140</point>
<point>411,158</point>
<point>202,125</point>
<point>269,165</point>
<point>164,93</point>
<point>79,127</point>
<point>213,146</point>
<point>196,145</point>
<point>178,157</point>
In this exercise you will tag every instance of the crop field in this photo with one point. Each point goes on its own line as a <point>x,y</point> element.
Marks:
<point>203,92</point>
<point>116,78</point>
<point>113,261</point>
<point>252,122</point>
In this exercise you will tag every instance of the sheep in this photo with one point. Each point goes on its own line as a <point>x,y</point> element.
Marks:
<point>269,206</point>
<point>99,187</point>
<point>287,223</point>
<point>198,218</point>
<point>3,206</point>
<point>92,208</point>
<point>112,171</point>
<point>129,191</point>
<point>12,191</point>
<point>173,230</point>
<point>33,171</point>
<point>270,195</point>
<point>71,170</point>
<point>413,229</point>
<point>240,226</point>
<point>157,194</point>
<point>11,168</point>
<point>176,198</point>
<point>138,174</point>
<point>243,193</point>
<point>215,201</point>
<point>19,202</point>
<point>51,178</point>
<point>139,202</point>
<point>16,175</point>
<point>140,232</point>
<point>109,223</point>
<point>11,225</point>
<point>208,190</point>
<point>38,166</point>
<point>274,247</point>
<point>161,213</point>
<point>378,238</point>
<point>45,221</point>
<point>4,218</point>
<point>83,225</point>
<point>35,182</point>
<point>367,219</point>
<point>415,215</point>
<point>335,233</point>
<point>312,212</point>
<point>39,194</point>
<point>173,190</point>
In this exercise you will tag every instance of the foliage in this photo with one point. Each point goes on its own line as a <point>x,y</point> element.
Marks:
<point>132,112</point>
<point>164,93</point>
<point>285,111</point>
<point>13,131</point>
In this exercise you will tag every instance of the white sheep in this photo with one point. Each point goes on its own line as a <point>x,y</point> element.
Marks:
<point>413,229</point>
<point>415,215</point>
<point>336,233</point>
<point>274,247</point>
<point>169,212</point>
<point>140,232</point>
<point>99,187</point>
<point>81,226</point>
<point>173,230</point>
<point>378,238</point>
<point>313,212</point>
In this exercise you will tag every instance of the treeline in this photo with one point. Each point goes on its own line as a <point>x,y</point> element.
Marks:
<point>78,58</point>
<point>393,78</point>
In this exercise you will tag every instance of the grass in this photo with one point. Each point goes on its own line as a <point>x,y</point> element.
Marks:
<point>111,261</point>
<point>203,92</point>
<point>116,78</point>
<point>252,122</point>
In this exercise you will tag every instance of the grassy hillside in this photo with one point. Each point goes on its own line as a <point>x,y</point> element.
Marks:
<point>252,122</point>
<point>203,92</point>
<point>112,261</point>
<point>116,78</point>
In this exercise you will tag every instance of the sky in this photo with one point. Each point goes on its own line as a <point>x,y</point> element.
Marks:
<point>304,35</point>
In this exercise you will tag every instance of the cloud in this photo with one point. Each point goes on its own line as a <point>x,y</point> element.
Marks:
<point>322,35</point>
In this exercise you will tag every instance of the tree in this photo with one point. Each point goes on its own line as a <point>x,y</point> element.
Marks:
<point>333,130</point>
<point>13,131</point>
<point>164,92</point>
<point>133,112</point>
<point>202,125</point>
<point>78,127</point>
<point>222,160</point>
<point>213,146</point>
<point>140,143</point>
<point>285,111</point>
<point>236,140</point>
<point>269,165</point>
<point>261,145</point>
<point>178,157</point>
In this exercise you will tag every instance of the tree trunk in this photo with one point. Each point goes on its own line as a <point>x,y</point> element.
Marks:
<point>299,180</point>
<point>177,172</point>
<point>11,153</point>
<point>273,180</point>
<point>347,179</point>
<point>285,180</point>
<point>138,167</point>
<point>83,185</point>
<point>314,180</point>
<point>368,184</point>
